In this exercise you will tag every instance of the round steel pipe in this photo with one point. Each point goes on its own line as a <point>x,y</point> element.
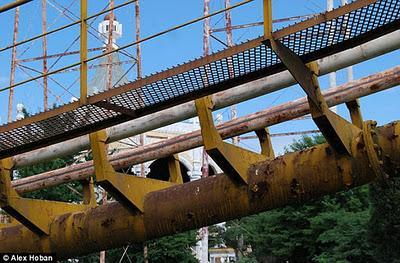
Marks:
<point>291,178</point>
<point>374,48</point>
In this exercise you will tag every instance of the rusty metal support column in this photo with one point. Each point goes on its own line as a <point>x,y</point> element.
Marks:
<point>13,67</point>
<point>233,160</point>
<point>291,178</point>
<point>332,75</point>
<point>142,137</point>
<point>267,10</point>
<point>355,112</point>
<point>206,51</point>
<point>120,185</point>
<point>137,39</point>
<point>203,232</point>
<point>110,46</point>
<point>44,43</point>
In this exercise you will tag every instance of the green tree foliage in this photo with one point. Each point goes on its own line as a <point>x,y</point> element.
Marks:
<point>176,248</point>
<point>305,142</point>
<point>384,231</point>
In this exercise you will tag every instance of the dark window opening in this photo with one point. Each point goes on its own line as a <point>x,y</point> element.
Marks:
<point>159,170</point>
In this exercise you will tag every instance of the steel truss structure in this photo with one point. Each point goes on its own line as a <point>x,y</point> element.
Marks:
<point>357,152</point>
<point>312,39</point>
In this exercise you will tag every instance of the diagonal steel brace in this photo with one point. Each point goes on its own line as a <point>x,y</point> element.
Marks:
<point>233,160</point>
<point>32,213</point>
<point>336,130</point>
<point>127,189</point>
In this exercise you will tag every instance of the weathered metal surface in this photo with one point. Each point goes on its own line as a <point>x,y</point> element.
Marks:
<point>256,121</point>
<point>264,138</point>
<point>185,82</point>
<point>83,68</point>
<point>34,214</point>
<point>222,99</point>
<point>355,112</point>
<point>44,46</point>
<point>337,131</point>
<point>129,190</point>
<point>233,160</point>
<point>174,169</point>
<point>13,66</point>
<point>292,178</point>
<point>267,12</point>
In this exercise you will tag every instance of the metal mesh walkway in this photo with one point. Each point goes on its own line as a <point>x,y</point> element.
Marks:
<point>320,36</point>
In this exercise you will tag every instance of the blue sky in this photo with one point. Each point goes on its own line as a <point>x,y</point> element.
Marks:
<point>168,50</point>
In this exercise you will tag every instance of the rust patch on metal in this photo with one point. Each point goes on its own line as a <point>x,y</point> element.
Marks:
<point>258,191</point>
<point>296,189</point>
<point>328,151</point>
<point>375,87</point>
<point>190,215</point>
<point>108,222</point>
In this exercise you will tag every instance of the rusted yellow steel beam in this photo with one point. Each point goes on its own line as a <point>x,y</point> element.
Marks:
<point>336,130</point>
<point>13,4</point>
<point>291,178</point>
<point>36,214</point>
<point>233,160</point>
<point>127,189</point>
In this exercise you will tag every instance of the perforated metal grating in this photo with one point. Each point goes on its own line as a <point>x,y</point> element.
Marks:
<point>316,41</point>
